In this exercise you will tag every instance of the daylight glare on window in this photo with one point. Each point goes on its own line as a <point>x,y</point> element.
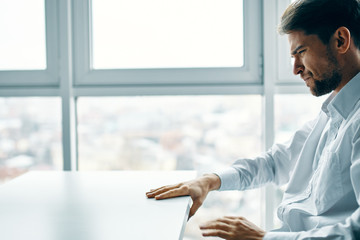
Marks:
<point>22,41</point>
<point>167,34</point>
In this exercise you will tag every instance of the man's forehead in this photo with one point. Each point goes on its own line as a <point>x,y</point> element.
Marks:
<point>296,37</point>
<point>299,39</point>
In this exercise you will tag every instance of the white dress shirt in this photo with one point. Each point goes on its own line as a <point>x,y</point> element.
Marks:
<point>321,167</point>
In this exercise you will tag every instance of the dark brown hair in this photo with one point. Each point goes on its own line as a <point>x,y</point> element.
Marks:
<point>323,18</point>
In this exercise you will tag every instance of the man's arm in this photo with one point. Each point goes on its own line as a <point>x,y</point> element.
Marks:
<point>274,166</point>
<point>197,189</point>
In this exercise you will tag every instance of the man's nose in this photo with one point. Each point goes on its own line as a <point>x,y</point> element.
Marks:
<point>298,67</point>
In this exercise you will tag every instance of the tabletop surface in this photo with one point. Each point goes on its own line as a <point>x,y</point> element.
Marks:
<point>92,206</point>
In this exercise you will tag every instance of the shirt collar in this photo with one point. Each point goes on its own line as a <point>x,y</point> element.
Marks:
<point>325,105</point>
<point>343,102</point>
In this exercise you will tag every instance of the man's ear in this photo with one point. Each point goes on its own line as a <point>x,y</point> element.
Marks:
<point>342,39</point>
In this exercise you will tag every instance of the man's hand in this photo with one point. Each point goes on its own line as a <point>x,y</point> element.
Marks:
<point>197,189</point>
<point>232,228</point>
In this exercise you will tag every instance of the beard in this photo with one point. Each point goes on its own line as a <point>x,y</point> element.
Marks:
<point>327,84</point>
<point>328,81</point>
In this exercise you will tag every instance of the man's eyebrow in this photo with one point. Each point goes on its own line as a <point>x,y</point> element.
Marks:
<point>297,49</point>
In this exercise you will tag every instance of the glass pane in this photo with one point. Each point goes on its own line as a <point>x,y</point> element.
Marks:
<point>167,33</point>
<point>174,133</point>
<point>293,111</point>
<point>30,135</point>
<point>22,30</point>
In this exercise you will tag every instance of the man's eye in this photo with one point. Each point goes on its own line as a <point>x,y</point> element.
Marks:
<point>301,52</point>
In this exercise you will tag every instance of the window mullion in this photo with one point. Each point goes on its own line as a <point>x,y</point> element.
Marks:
<point>270,74</point>
<point>66,86</point>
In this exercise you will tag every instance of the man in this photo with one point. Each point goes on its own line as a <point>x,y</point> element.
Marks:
<point>321,163</point>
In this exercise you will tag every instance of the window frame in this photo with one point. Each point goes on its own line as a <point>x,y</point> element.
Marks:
<point>40,78</point>
<point>86,76</point>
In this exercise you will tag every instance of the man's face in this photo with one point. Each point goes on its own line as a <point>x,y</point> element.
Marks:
<point>314,62</point>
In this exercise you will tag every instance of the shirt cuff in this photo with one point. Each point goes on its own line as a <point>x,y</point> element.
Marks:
<point>230,179</point>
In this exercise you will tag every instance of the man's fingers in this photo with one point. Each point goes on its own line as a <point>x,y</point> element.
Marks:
<point>154,192</point>
<point>234,218</point>
<point>180,191</point>
<point>226,220</point>
<point>216,233</point>
<point>219,225</point>
<point>195,206</point>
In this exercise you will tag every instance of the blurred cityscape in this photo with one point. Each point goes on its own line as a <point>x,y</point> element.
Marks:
<point>167,133</point>
<point>30,135</point>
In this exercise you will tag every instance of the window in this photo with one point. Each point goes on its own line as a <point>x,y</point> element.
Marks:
<point>30,135</point>
<point>22,43</point>
<point>293,111</point>
<point>167,34</point>
<point>167,42</point>
<point>164,133</point>
<point>28,43</point>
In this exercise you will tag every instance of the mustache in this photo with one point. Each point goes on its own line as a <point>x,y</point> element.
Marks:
<point>307,75</point>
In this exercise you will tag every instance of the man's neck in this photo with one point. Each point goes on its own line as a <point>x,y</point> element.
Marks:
<point>350,69</point>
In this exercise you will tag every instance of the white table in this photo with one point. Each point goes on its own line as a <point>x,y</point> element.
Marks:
<point>91,206</point>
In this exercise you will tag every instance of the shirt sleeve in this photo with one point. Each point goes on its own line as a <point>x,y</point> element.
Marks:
<point>274,166</point>
<point>350,229</point>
